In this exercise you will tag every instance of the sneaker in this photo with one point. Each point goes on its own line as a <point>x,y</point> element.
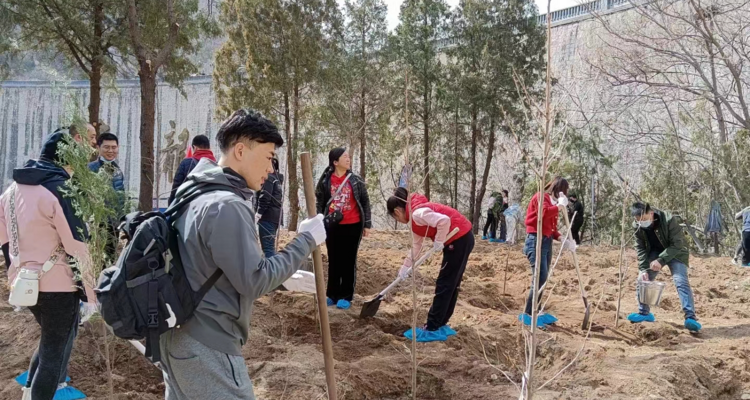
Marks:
<point>526,320</point>
<point>343,304</point>
<point>447,331</point>
<point>637,318</point>
<point>735,262</point>
<point>330,302</point>
<point>692,325</point>
<point>424,335</point>
<point>547,319</point>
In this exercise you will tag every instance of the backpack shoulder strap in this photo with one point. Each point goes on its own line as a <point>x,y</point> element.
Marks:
<point>338,191</point>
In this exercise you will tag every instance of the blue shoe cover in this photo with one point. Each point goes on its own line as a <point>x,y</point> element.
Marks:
<point>746,265</point>
<point>692,325</point>
<point>68,393</point>
<point>526,320</point>
<point>637,318</point>
<point>547,319</point>
<point>330,302</point>
<point>343,304</point>
<point>447,331</point>
<point>424,335</point>
<point>484,237</point>
<point>21,379</point>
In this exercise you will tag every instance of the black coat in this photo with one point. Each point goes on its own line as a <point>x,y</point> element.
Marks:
<point>186,166</point>
<point>270,197</point>
<point>323,195</point>
<point>577,209</point>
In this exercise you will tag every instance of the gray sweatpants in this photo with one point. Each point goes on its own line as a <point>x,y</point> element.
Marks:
<point>193,371</point>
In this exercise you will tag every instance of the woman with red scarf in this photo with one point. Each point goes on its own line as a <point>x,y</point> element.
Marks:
<point>554,202</point>
<point>435,221</point>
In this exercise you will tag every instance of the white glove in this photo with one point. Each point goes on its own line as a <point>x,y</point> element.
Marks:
<point>562,200</point>
<point>643,276</point>
<point>404,272</point>
<point>438,246</point>
<point>315,227</point>
<point>570,245</point>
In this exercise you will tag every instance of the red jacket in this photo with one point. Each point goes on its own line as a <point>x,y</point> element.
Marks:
<point>549,223</point>
<point>457,219</point>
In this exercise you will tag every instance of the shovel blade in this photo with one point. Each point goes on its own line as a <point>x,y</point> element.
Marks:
<point>586,317</point>
<point>370,308</point>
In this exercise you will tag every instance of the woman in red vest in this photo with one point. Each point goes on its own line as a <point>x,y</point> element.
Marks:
<point>435,221</point>
<point>555,201</point>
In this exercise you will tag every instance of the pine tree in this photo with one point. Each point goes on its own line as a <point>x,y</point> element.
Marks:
<point>424,24</point>
<point>272,57</point>
<point>163,34</point>
<point>90,34</point>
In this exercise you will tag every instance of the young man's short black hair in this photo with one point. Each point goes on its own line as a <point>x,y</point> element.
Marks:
<point>201,142</point>
<point>505,191</point>
<point>573,195</point>
<point>106,136</point>
<point>639,208</point>
<point>248,125</point>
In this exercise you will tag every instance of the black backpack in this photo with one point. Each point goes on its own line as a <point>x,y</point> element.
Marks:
<point>147,292</point>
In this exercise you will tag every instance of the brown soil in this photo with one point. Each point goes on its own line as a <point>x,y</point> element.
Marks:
<point>648,361</point>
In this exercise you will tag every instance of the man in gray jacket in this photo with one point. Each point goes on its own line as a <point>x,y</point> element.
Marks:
<point>202,359</point>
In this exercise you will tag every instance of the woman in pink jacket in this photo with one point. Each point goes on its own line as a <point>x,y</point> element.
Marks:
<point>38,224</point>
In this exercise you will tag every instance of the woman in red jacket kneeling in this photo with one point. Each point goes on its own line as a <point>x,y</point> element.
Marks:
<point>435,221</point>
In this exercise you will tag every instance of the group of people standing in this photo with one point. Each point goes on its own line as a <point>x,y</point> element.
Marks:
<point>221,230</point>
<point>660,242</point>
<point>41,236</point>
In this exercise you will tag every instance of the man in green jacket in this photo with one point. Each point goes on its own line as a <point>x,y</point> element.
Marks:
<point>659,242</point>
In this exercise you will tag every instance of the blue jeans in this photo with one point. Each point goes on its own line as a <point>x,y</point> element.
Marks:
<point>529,249</point>
<point>267,231</point>
<point>680,278</point>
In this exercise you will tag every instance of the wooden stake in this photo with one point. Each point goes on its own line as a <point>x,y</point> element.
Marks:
<point>622,253</point>
<point>320,287</point>
<point>505,279</point>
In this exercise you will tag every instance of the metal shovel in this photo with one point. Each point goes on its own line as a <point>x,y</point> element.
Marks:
<point>585,324</point>
<point>370,308</point>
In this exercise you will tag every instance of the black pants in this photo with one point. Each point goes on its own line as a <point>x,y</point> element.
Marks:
<point>491,224</point>
<point>746,247</point>
<point>57,315</point>
<point>342,243</point>
<point>455,257</point>
<point>575,229</point>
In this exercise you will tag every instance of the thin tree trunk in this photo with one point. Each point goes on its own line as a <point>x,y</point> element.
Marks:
<point>455,163</point>
<point>474,137</point>
<point>95,77</point>
<point>485,177</point>
<point>95,89</point>
<point>426,124</point>
<point>148,111</point>
<point>363,137</point>
<point>292,156</point>
<point>290,165</point>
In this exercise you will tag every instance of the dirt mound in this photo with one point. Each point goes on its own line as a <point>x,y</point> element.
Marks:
<point>658,360</point>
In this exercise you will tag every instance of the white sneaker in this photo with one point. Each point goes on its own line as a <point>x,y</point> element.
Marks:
<point>734,261</point>
<point>26,393</point>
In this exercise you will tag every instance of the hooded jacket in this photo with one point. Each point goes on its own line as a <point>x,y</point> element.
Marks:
<point>46,218</point>
<point>217,231</point>
<point>670,235</point>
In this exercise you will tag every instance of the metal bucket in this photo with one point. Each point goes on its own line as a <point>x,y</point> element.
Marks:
<point>650,292</point>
